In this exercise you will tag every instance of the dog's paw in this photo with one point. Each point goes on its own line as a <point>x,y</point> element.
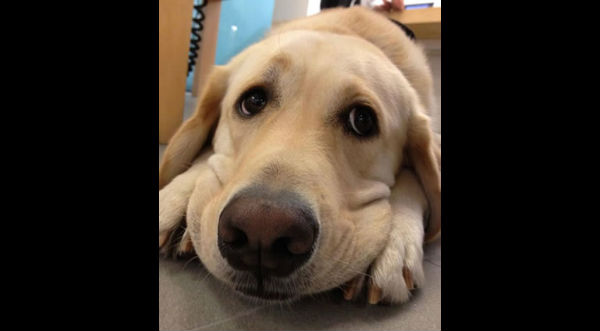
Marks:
<point>171,213</point>
<point>392,276</point>
<point>198,184</point>
<point>397,271</point>
<point>173,236</point>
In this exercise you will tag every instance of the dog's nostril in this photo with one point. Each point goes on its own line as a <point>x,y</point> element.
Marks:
<point>280,247</point>
<point>299,247</point>
<point>231,239</point>
<point>239,239</point>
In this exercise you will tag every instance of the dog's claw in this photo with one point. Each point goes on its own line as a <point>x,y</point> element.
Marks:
<point>374,293</point>
<point>186,246</point>
<point>408,278</point>
<point>351,288</point>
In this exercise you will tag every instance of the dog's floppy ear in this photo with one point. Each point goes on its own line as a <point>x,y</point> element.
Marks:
<point>189,139</point>
<point>423,153</point>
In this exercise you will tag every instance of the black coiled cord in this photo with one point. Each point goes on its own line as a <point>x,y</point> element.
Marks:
<point>196,29</point>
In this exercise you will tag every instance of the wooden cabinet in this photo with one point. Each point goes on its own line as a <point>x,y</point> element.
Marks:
<point>426,23</point>
<point>174,25</point>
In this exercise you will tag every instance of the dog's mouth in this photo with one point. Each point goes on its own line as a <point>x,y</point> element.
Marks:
<point>262,294</point>
<point>266,288</point>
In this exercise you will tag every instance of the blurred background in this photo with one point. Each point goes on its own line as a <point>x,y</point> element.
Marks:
<point>196,34</point>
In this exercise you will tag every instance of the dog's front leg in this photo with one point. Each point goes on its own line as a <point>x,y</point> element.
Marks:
<point>173,201</point>
<point>399,267</point>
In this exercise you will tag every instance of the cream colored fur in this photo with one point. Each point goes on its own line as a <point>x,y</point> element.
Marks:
<point>369,206</point>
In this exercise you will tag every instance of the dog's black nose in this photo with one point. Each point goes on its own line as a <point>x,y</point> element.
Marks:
<point>265,232</point>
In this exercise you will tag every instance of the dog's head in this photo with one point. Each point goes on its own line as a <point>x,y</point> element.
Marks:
<point>312,126</point>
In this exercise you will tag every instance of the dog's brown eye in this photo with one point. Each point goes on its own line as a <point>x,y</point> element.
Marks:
<point>362,122</point>
<point>252,102</point>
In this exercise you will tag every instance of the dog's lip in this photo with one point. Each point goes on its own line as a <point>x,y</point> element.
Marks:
<point>269,296</point>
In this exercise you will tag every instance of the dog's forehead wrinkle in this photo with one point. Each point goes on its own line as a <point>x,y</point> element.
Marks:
<point>278,63</point>
<point>287,69</point>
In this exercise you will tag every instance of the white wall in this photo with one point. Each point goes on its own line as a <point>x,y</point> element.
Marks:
<point>314,6</point>
<point>286,10</point>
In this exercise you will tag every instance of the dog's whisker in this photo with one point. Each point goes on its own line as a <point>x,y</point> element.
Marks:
<point>190,260</point>
<point>205,277</point>
<point>348,264</point>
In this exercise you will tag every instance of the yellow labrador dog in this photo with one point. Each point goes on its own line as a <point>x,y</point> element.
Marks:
<point>309,163</point>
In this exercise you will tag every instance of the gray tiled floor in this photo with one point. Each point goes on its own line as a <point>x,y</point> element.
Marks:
<point>191,299</point>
